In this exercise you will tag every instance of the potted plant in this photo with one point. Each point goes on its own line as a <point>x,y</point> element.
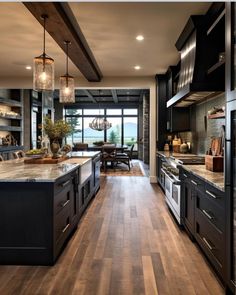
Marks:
<point>56,131</point>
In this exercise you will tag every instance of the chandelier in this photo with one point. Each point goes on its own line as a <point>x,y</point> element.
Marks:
<point>67,89</point>
<point>43,67</point>
<point>100,124</point>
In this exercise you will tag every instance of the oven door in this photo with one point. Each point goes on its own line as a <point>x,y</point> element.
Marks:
<point>168,187</point>
<point>175,200</point>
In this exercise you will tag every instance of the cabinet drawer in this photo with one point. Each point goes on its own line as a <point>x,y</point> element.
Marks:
<point>62,183</point>
<point>184,174</point>
<point>197,183</point>
<point>210,239</point>
<point>63,198</point>
<point>62,225</point>
<point>215,195</point>
<point>211,211</point>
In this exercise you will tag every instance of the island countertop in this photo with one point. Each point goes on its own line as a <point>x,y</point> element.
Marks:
<point>18,171</point>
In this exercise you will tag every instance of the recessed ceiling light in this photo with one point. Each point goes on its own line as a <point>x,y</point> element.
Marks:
<point>137,68</point>
<point>140,38</point>
<point>28,67</point>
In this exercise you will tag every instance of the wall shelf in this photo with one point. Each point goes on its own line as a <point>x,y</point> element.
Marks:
<point>215,67</point>
<point>217,115</point>
<point>11,117</point>
<point>10,128</point>
<point>10,102</point>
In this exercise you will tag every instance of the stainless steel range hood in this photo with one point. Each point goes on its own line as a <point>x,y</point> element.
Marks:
<point>194,84</point>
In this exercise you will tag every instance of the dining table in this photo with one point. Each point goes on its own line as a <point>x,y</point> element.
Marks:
<point>118,147</point>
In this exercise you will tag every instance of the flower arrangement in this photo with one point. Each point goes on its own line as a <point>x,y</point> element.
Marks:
<point>56,130</point>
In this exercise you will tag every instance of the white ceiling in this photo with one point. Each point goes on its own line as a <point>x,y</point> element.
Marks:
<point>110,30</point>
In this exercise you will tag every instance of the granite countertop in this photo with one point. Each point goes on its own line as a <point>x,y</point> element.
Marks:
<point>84,154</point>
<point>214,178</point>
<point>18,171</point>
<point>173,154</point>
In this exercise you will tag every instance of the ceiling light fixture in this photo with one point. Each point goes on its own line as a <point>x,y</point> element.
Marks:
<point>43,67</point>
<point>137,68</point>
<point>140,38</point>
<point>67,84</point>
<point>28,67</point>
<point>99,123</point>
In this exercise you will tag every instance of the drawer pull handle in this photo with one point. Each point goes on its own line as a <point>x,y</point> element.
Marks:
<point>208,244</point>
<point>211,194</point>
<point>185,175</point>
<point>65,228</point>
<point>65,183</point>
<point>207,214</point>
<point>65,203</point>
<point>194,182</point>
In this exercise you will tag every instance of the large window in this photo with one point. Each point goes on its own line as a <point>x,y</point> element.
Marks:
<point>124,128</point>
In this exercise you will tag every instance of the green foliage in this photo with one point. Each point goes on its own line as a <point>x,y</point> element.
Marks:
<point>113,137</point>
<point>56,130</point>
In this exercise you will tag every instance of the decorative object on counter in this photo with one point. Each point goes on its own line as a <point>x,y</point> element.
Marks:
<point>184,148</point>
<point>65,149</point>
<point>67,87</point>
<point>214,160</point>
<point>45,160</point>
<point>35,154</point>
<point>43,67</point>
<point>56,131</point>
<point>9,140</point>
<point>176,144</point>
<point>166,147</point>
<point>45,145</point>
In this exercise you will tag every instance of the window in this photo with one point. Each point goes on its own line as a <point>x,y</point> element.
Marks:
<point>124,128</point>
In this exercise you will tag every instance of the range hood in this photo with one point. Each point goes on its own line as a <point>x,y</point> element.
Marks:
<point>194,83</point>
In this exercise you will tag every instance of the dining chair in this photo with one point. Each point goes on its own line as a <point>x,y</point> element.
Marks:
<point>123,158</point>
<point>18,154</point>
<point>80,146</point>
<point>108,155</point>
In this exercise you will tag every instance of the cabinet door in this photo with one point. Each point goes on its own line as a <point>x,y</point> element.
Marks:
<point>230,51</point>
<point>189,206</point>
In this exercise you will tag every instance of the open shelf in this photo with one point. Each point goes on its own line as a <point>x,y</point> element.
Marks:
<point>11,117</point>
<point>10,128</point>
<point>217,115</point>
<point>215,67</point>
<point>216,22</point>
<point>10,102</point>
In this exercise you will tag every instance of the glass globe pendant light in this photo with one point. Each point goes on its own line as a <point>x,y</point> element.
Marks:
<point>43,68</point>
<point>67,85</point>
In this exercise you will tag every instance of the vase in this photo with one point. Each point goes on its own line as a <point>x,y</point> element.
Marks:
<point>55,147</point>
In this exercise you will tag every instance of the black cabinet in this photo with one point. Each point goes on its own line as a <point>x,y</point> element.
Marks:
<point>160,173</point>
<point>96,174</point>
<point>204,215</point>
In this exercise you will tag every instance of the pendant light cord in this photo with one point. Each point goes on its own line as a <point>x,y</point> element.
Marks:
<point>44,35</point>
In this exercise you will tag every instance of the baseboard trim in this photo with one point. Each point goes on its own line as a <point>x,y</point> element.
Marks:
<point>153,179</point>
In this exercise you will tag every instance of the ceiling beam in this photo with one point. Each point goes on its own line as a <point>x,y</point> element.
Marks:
<point>89,95</point>
<point>63,26</point>
<point>114,95</point>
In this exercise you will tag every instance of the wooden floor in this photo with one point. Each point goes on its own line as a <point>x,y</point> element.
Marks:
<point>127,243</point>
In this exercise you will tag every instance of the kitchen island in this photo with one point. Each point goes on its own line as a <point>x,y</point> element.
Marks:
<point>40,207</point>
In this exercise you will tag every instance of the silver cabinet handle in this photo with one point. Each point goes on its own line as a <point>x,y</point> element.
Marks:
<point>207,214</point>
<point>211,194</point>
<point>208,244</point>
<point>185,175</point>
<point>65,228</point>
<point>65,183</point>
<point>65,203</point>
<point>194,182</point>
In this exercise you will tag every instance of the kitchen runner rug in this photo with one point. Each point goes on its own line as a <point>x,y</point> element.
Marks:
<point>122,170</point>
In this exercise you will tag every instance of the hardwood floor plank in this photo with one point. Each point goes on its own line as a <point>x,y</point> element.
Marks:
<point>126,243</point>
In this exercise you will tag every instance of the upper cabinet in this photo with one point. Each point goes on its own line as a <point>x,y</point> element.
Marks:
<point>230,51</point>
<point>202,50</point>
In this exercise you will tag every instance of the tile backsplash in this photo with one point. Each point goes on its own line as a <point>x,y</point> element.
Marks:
<point>203,129</point>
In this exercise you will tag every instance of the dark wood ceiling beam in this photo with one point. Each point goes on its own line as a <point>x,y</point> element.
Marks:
<point>89,95</point>
<point>63,26</point>
<point>114,95</point>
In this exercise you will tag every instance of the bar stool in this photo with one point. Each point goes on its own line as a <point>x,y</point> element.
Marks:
<point>1,158</point>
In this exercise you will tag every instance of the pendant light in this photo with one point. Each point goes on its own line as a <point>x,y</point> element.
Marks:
<point>99,123</point>
<point>43,67</point>
<point>67,87</point>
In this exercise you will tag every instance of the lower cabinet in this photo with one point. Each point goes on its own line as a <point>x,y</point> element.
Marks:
<point>204,218</point>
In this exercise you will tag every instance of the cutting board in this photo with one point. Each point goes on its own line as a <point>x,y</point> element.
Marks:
<point>216,146</point>
<point>45,160</point>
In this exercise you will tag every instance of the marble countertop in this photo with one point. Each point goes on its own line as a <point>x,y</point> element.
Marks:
<point>83,154</point>
<point>175,155</point>
<point>18,171</point>
<point>214,178</point>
